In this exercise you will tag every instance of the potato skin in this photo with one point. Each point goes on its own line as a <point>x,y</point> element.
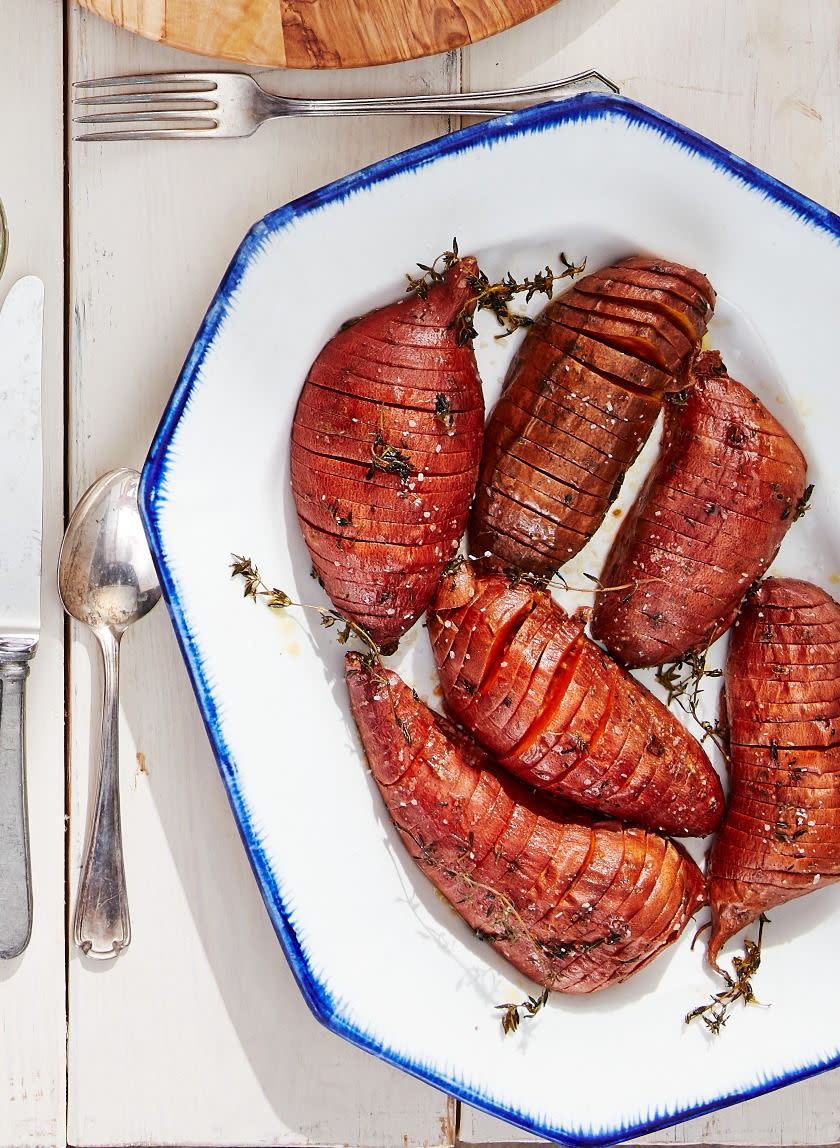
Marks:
<point>396,378</point>
<point>707,523</point>
<point>781,835</point>
<point>559,713</point>
<point>574,904</point>
<point>579,402</point>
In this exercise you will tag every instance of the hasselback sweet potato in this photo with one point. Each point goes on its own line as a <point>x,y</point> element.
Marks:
<point>578,404</point>
<point>386,442</point>
<point>708,521</point>
<point>558,712</point>
<point>574,904</point>
<point>781,835</point>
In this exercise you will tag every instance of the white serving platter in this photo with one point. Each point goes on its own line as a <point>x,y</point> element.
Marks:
<point>379,957</point>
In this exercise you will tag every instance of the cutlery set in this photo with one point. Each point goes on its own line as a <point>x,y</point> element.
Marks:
<point>106,576</point>
<point>106,580</point>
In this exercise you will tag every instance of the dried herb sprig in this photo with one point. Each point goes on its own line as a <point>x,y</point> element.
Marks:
<point>493,297</point>
<point>683,681</point>
<point>739,987</point>
<point>391,459</point>
<point>512,1013</point>
<point>497,297</point>
<point>556,581</point>
<point>275,599</point>
<point>420,284</point>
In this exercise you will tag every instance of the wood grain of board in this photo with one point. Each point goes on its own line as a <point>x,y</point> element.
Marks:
<point>32,1024</point>
<point>317,33</point>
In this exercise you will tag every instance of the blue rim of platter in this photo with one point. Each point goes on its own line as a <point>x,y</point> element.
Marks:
<point>588,107</point>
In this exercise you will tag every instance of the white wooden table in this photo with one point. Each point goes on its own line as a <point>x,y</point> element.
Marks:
<point>197,1035</point>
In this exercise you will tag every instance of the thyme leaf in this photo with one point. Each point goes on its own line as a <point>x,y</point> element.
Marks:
<point>338,517</point>
<point>804,504</point>
<point>443,412</point>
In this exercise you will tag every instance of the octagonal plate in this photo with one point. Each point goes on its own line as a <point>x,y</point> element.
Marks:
<point>379,957</point>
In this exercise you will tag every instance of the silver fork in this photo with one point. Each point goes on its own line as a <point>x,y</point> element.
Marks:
<point>197,105</point>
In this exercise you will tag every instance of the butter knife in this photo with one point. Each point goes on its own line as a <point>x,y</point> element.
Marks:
<point>21,489</point>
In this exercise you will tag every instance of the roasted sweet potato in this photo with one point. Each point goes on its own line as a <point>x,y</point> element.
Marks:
<point>781,835</point>
<point>708,521</point>
<point>574,904</point>
<point>579,402</point>
<point>386,442</point>
<point>559,713</point>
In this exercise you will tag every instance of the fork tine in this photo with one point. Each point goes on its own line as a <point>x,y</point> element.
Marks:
<point>148,98</point>
<point>148,134</point>
<point>162,78</point>
<point>188,117</point>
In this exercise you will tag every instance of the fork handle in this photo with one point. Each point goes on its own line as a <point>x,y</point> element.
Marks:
<point>493,103</point>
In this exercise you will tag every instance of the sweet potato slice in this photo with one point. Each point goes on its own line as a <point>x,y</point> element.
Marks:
<point>558,712</point>
<point>386,443</point>
<point>574,904</point>
<point>708,522</point>
<point>580,399</point>
<point>781,835</point>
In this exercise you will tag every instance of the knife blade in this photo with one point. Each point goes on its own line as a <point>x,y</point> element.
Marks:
<point>21,496</point>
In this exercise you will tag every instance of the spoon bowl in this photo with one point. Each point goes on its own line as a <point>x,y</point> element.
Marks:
<point>106,576</point>
<point>107,580</point>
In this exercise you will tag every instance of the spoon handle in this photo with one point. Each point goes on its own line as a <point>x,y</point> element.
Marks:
<point>101,927</point>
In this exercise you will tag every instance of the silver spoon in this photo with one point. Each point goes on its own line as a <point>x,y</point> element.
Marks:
<point>106,580</point>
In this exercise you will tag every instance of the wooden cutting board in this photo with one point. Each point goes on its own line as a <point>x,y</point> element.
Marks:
<point>317,33</point>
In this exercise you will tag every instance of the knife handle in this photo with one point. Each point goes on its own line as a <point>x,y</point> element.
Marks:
<point>15,877</point>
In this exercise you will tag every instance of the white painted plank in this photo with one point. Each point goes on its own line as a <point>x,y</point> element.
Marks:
<point>32,1044</point>
<point>198,1034</point>
<point>761,78</point>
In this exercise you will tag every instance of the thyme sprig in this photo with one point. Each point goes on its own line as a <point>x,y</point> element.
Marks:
<point>420,284</point>
<point>511,1015</point>
<point>497,297</point>
<point>556,581</point>
<point>739,987</point>
<point>493,297</point>
<point>683,681</point>
<point>275,599</point>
